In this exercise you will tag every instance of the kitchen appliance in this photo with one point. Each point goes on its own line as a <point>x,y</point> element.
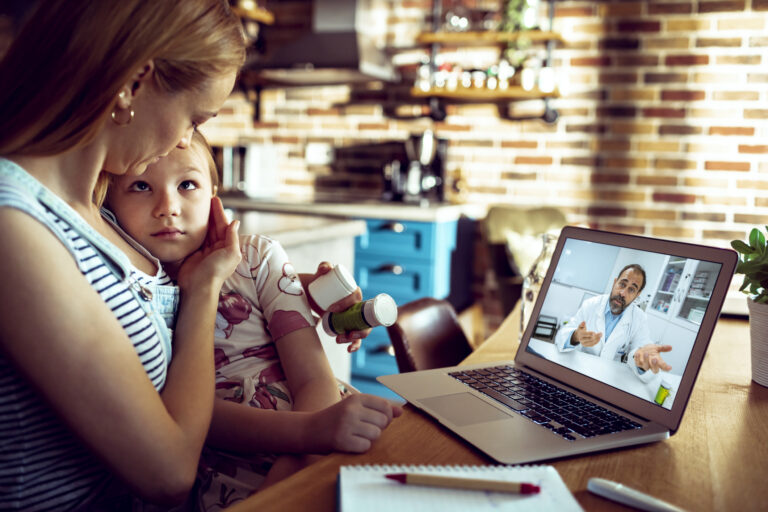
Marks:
<point>419,179</point>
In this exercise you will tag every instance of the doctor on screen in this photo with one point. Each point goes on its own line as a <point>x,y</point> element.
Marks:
<point>612,327</point>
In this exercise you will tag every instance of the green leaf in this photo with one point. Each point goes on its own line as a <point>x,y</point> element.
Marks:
<point>741,247</point>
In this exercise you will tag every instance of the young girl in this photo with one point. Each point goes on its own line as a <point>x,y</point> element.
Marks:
<point>275,389</point>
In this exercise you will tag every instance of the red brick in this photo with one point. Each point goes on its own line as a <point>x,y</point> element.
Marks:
<point>760,5</point>
<point>682,95</point>
<point>743,148</point>
<point>758,42</point>
<point>664,78</point>
<point>718,42</point>
<point>674,163</point>
<point>614,179</point>
<point>664,112</point>
<point>655,214</point>
<point>657,181</point>
<point>372,126</point>
<point>618,78</point>
<point>574,12</point>
<point>617,111</point>
<point>533,160</point>
<point>661,197</point>
<point>726,166</point>
<point>672,129</point>
<point>522,144</point>
<point>591,61</point>
<point>606,211</point>
<point>757,78</point>
<point>722,6</point>
<point>731,130</point>
<point>619,43</point>
<point>687,60</point>
<point>630,26</point>
<point>670,8</point>
<point>743,218</point>
<point>704,216</point>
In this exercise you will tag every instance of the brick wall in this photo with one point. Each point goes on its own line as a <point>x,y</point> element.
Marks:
<point>663,126</point>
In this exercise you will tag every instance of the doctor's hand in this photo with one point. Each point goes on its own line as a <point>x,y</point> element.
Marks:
<point>585,337</point>
<point>648,357</point>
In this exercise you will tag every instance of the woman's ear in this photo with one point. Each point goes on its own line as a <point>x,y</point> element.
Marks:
<point>141,78</point>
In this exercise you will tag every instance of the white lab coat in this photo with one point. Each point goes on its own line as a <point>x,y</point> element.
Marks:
<point>629,334</point>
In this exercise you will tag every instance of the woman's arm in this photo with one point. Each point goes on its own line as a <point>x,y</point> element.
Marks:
<point>62,336</point>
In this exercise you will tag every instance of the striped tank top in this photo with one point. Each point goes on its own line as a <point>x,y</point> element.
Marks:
<point>43,466</point>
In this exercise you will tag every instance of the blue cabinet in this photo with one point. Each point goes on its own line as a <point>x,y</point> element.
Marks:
<point>407,260</point>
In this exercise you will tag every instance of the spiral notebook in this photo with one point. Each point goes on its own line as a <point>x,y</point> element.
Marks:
<point>366,488</point>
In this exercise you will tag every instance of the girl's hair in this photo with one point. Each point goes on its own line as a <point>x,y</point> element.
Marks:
<point>105,179</point>
<point>63,70</point>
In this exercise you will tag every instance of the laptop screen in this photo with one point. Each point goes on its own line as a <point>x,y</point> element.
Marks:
<point>616,314</point>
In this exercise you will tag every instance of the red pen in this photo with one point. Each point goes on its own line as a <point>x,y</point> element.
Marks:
<point>464,483</point>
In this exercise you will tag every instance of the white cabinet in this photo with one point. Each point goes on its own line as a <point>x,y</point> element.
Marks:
<point>683,291</point>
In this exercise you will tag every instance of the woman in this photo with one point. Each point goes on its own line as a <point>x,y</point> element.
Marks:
<point>87,390</point>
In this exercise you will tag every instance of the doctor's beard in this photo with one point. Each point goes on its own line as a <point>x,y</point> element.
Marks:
<point>617,310</point>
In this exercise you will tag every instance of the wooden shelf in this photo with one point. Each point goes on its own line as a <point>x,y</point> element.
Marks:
<point>464,94</point>
<point>485,37</point>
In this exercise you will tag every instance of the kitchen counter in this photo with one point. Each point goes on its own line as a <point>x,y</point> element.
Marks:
<point>371,209</point>
<point>295,229</point>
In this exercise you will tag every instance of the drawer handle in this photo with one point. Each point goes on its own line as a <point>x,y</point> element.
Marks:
<point>391,268</point>
<point>395,227</point>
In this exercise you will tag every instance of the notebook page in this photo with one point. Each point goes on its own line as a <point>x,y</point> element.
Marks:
<point>366,488</point>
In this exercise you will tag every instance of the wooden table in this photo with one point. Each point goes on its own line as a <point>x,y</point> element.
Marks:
<point>718,459</point>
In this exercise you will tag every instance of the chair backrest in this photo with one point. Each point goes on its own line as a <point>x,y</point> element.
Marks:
<point>427,335</point>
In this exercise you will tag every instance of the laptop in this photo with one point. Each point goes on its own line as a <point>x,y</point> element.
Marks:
<point>559,397</point>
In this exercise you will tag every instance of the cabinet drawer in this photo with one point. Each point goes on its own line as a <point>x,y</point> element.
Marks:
<point>374,357</point>
<point>397,238</point>
<point>403,278</point>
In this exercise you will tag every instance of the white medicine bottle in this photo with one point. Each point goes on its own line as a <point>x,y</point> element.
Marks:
<point>332,286</point>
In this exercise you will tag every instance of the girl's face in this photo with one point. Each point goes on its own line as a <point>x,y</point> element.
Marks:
<point>162,122</point>
<point>166,209</point>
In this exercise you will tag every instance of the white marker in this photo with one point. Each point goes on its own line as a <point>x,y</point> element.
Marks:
<point>628,496</point>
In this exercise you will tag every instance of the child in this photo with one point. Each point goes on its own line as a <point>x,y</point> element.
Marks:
<point>275,390</point>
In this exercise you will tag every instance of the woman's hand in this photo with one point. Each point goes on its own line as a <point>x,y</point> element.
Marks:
<point>219,255</point>
<point>351,425</point>
<point>354,338</point>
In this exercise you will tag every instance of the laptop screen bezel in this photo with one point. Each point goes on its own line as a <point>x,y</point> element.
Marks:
<point>670,418</point>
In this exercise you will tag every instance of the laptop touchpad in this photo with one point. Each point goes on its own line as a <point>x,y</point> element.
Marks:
<point>463,409</point>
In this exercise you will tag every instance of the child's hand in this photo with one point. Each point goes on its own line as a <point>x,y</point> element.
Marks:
<point>354,338</point>
<point>352,424</point>
<point>219,255</point>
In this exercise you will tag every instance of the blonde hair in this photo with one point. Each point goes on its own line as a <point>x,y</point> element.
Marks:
<point>106,179</point>
<point>65,67</point>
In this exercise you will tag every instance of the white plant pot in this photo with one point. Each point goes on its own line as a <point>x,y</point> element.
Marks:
<point>758,333</point>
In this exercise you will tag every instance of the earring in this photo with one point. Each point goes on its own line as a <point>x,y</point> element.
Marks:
<point>124,123</point>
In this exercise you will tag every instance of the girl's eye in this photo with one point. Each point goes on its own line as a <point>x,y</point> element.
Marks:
<point>188,185</point>
<point>194,126</point>
<point>139,186</point>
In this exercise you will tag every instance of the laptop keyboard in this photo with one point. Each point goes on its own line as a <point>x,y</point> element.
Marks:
<point>564,413</point>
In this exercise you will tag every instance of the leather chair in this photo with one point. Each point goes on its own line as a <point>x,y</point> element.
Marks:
<point>427,335</point>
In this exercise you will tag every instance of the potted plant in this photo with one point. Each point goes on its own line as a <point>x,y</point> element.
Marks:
<point>753,264</point>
